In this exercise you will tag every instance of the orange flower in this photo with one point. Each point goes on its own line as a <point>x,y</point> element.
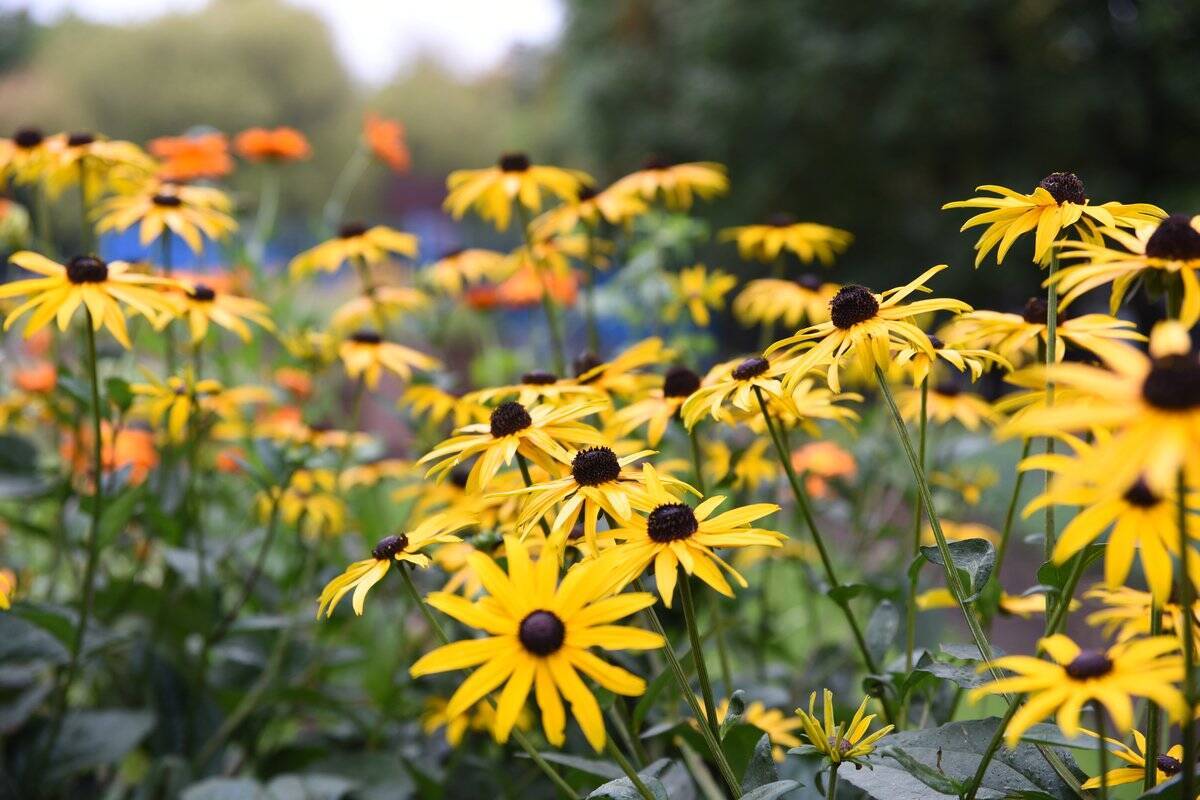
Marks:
<point>386,140</point>
<point>483,298</point>
<point>525,287</point>
<point>134,449</point>
<point>280,144</point>
<point>41,377</point>
<point>38,345</point>
<point>820,461</point>
<point>294,380</point>
<point>229,460</point>
<point>186,158</point>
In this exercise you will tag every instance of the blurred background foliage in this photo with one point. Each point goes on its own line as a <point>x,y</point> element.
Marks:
<point>865,115</point>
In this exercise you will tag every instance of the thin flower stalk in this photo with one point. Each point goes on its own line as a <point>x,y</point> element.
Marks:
<point>1186,599</point>
<point>918,513</point>
<point>549,306</point>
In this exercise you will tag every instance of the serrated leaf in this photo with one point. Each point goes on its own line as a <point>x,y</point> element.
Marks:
<point>974,558</point>
<point>623,789</point>
<point>771,791</point>
<point>930,776</point>
<point>761,770</point>
<point>963,676</point>
<point>882,628</point>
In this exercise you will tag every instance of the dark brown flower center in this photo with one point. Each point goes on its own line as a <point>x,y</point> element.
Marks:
<point>28,138</point>
<point>167,200</point>
<point>542,633</point>
<point>389,546</point>
<point>593,466</point>
<point>1173,384</point>
<point>1089,664</point>
<point>948,389</point>
<point>366,337</point>
<point>349,230</point>
<point>81,138</point>
<point>87,269</point>
<point>202,293</point>
<point>1064,187</point>
<point>936,343</point>
<point>1141,495</point>
<point>671,522</point>
<point>1035,311</point>
<point>750,368</point>
<point>539,378</point>
<point>1174,239</point>
<point>509,418</point>
<point>851,305</point>
<point>586,193</point>
<point>809,281</point>
<point>656,161</point>
<point>584,363</point>
<point>459,475</point>
<point>680,382</point>
<point>781,219</point>
<point>1168,766</point>
<point>514,162</point>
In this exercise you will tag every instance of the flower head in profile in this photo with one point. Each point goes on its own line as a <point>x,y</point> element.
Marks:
<point>200,156</point>
<point>274,146</point>
<point>808,241</point>
<point>385,138</point>
<point>105,289</point>
<point>590,208</point>
<point>1149,668</point>
<point>780,728</point>
<point>96,160</point>
<point>536,387</point>
<point>191,212</point>
<point>366,355</point>
<point>394,550</point>
<point>676,183</point>
<point>946,401</point>
<point>540,637</point>
<point>737,383</point>
<point>457,270</point>
<point>866,325</point>
<point>354,242</point>
<point>670,534</point>
<point>1126,612</point>
<point>480,719</point>
<point>23,156</point>
<point>970,361</point>
<point>436,405</point>
<point>1058,203</point>
<point>172,402</point>
<point>767,301</point>
<point>1167,765</point>
<point>839,743</point>
<point>377,303</point>
<point>1023,606</point>
<point>696,290</point>
<point>622,374</point>
<point>311,501</point>
<point>492,191</point>
<point>200,305</point>
<point>659,406</point>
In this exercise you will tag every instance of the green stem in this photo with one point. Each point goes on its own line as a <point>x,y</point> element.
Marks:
<point>1014,703</point>
<point>1051,357</point>
<point>627,734</point>
<point>1102,750</point>
<point>356,406</point>
<point>1150,779</point>
<point>1056,620</point>
<point>627,768</point>
<point>1011,515</point>
<point>440,633</point>
<point>264,220</point>
<point>347,179</point>
<point>918,511</point>
<point>549,307</point>
<point>589,309</point>
<point>1186,601</point>
<point>831,789</point>
<point>697,467</point>
<point>689,619</point>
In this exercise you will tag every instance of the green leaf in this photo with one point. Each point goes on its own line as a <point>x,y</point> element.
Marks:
<point>738,744</point>
<point>589,766</point>
<point>882,628</point>
<point>118,392</point>
<point>623,789</point>
<point>733,715</point>
<point>974,558</point>
<point>224,789</point>
<point>761,770</point>
<point>18,455</point>
<point>960,675</point>
<point>94,738</point>
<point>931,777</point>
<point>309,787</point>
<point>23,640</point>
<point>117,514</point>
<point>771,791</point>
<point>1168,790</point>
<point>846,592</point>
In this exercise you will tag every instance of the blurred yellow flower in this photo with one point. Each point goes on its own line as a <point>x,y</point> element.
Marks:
<point>492,191</point>
<point>809,241</point>
<point>697,290</point>
<point>676,183</point>
<point>354,242</point>
<point>190,212</point>
<point>770,300</point>
<point>366,355</point>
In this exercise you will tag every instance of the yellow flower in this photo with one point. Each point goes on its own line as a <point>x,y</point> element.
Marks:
<point>1019,338</point>
<point>458,269</point>
<point>948,401</point>
<point>1147,668</point>
<point>380,303</point>
<point>174,400</point>
<point>677,183</point>
<point>100,162</point>
<point>589,208</point>
<point>968,482</point>
<point>364,353</point>
<point>753,468</point>
<point>618,375</point>
<point>23,158</point>
<point>659,406</point>
<point>354,242</point>
<point>310,501</point>
<point>919,363</point>
<point>191,212</point>
<point>455,560</point>
<point>770,300</point>
<point>105,289</point>
<point>1058,203</point>
<point>807,240</point>
<point>8,587</point>
<point>537,433</point>
<point>697,290</point>
<point>1167,765</point>
<point>867,325</point>
<point>957,531</point>
<point>538,387</point>
<point>540,637</point>
<point>840,743</point>
<point>481,718</point>
<point>1127,612</point>
<point>771,721</point>
<point>318,348</point>
<point>1023,606</point>
<point>736,383</point>
<point>374,472</point>
<point>674,535</point>
<point>404,547</point>
<point>425,399</point>
<point>492,191</point>
<point>200,304</point>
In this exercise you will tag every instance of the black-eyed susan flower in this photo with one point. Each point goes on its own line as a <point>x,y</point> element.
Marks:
<point>311,501</point>
<point>1058,203</point>
<point>621,375</point>
<point>457,270</point>
<point>378,303</point>
<point>1167,765</point>
<point>92,159</point>
<point>659,406</point>
<point>199,304</point>
<point>946,401</point>
<point>672,534</point>
<point>697,290</point>
<point>536,387</point>
<point>191,212</point>
<point>537,433</point>
<point>1127,612</point>
<point>105,289</point>
<point>171,402</point>
<point>589,208</point>
<point>436,405</point>
<point>767,301</point>
<point>735,383</point>
<point>864,324</point>
<point>1025,606</point>
<point>401,548</point>
<point>1148,668</point>
<point>540,637</point>
<point>839,743</point>
<point>676,183</point>
<point>754,468</point>
<point>354,242</point>
<point>492,191</point>
<point>779,727</point>
<point>375,472</point>
<point>317,348</point>
<point>455,560</point>
<point>23,156</point>
<point>366,355</point>
<point>971,361</point>
<point>808,241</point>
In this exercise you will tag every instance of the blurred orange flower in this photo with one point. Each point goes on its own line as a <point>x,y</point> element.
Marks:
<point>525,287</point>
<point>386,140</point>
<point>41,377</point>
<point>294,380</point>
<point>483,298</point>
<point>229,460</point>
<point>187,158</point>
<point>134,448</point>
<point>820,461</point>
<point>38,345</point>
<point>280,144</point>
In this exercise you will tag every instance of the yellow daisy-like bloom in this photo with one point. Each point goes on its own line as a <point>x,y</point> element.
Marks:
<point>1127,612</point>
<point>673,534</point>
<point>948,401</point>
<point>1023,606</point>
<point>200,304</point>
<point>658,407</point>
<point>455,561</point>
<point>541,635</point>
<point>1058,203</point>
<point>538,387</point>
<point>98,161</point>
<point>537,433</point>
<point>436,405</point>
<point>809,241</point>
<point>354,242</point>
<point>8,587</point>
<point>771,721</point>
<point>969,482</point>
<point>770,300</point>
<point>867,325</point>
<point>365,354</point>
<point>173,400</point>
<point>1169,249</point>
<point>375,472</point>
<point>493,190</point>
<point>380,303</point>
<point>459,269</point>
<point>968,360</point>
<point>191,212</point>
<point>619,375</point>
<point>310,501</point>
<point>23,157</point>
<point>1167,765</point>
<point>1148,668</point>
<point>589,208</point>
<point>317,348</point>
<point>754,468</point>
<point>1151,403</point>
<point>403,547</point>
<point>840,743</point>
<point>105,289</point>
<point>737,384</point>
<point>697,290</point>
<point>678,184</point>
<point>481,719</point>
<point>958,531</point>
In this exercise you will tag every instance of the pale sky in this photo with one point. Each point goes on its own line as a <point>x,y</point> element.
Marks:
<point>374,37</point>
